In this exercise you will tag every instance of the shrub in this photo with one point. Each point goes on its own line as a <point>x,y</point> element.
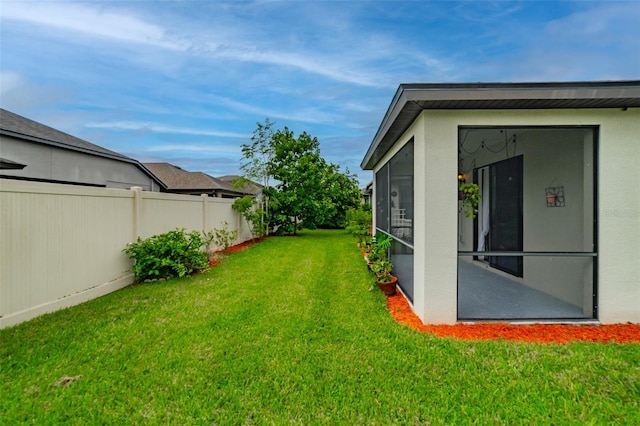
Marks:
<point>254,216</point>
<point>223,238</point>
<point>175,253</point>
<point>359,223</point>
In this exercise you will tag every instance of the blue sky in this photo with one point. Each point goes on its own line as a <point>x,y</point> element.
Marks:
<point>186,81</point>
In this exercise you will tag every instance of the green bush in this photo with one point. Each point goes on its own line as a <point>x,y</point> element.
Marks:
<point>223,238</point>
<point>254,216</point>
<point>359,224</point>
<point>175,253</point>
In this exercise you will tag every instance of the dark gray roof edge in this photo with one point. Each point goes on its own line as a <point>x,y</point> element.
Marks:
<point>386,122</point>
<point>118,157</point>
<point>115,156</point>
<point>26,128</point>
<point>413,92</point>
<point>520,85</point>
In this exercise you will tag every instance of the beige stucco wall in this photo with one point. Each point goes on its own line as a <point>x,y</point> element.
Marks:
<point>436,209</point>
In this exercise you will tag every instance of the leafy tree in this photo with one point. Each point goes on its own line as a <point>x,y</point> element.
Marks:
<point>342,194</point>
<point>307,191</point>
<point>254,216</point>
<point>299,169</point>
<point>256,164</point>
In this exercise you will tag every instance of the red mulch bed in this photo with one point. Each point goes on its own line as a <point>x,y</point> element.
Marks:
<point>535,333</point>
<point>236,248</point>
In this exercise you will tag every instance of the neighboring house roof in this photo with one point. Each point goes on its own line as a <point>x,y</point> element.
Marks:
<point>411,99</point>
<point>180,180</point>
<point>20,127</point>
<point>249,187</point>
<point>15,125</point>
<point>368,189</point>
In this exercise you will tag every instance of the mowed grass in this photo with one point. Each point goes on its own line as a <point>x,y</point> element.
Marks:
<point>287,332</point>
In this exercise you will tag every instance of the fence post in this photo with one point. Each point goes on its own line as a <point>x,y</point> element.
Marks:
<point>137,210</point>
<point>205,213</point>
<point>239,216</point>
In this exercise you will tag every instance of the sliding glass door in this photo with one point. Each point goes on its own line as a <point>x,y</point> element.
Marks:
<point>505,229</point>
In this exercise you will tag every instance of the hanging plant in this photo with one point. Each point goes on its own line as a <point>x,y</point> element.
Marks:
<point>470,198</point>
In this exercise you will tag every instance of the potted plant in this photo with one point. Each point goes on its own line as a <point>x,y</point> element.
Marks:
<point>470,196</point>
<point>386,281</point>
<point>380,246</point>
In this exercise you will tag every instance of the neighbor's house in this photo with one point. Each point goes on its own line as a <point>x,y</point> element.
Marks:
<point>33,151</point>
<point>557,233</point>
<point>180,181</point>
<point>367,194</point>
<point>248,187</point>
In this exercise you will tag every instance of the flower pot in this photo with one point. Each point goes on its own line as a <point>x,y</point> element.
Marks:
<point>551,199</point>
<point>389,288</point>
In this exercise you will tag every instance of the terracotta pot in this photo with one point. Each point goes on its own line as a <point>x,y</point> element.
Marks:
<point>389,288</point>
<point>551,199</point>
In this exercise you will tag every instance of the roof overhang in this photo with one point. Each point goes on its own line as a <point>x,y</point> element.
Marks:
<point>411,99</point>
<point>7,164</point>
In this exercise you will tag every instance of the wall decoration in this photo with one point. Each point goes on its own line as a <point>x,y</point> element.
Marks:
<point>554,196</point>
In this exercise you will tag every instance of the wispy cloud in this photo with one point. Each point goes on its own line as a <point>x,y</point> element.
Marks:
<point>302,115</point>
<point>91,21</point>
<point>123,27</point>
<point>159,128</point>
<point>18,92</point>
<point>161,80</point>
<point>200,149</point>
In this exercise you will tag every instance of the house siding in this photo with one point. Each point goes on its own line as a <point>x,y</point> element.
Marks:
<point>50,163</point>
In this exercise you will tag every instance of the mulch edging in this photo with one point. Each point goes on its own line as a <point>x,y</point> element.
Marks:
<point>534,333</point>
<point>235,248</point>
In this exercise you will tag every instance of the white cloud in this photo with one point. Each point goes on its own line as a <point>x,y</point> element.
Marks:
<point>328,67</point>
<point>9,81</point>
<point>197,148</point>
<point>159,128</point>
<point>90,21</point>
<point>17,92</point>
<point>237,44</point>
<point>303,115</point>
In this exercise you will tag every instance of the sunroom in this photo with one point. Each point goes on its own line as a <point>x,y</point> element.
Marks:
<point>555,233</point>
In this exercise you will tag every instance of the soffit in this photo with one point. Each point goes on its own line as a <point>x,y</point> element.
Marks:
<point>411,99</point>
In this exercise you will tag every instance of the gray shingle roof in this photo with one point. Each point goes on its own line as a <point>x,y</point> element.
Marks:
<point>251,188</point>
<point>12,124</point>
<point>176,178</point>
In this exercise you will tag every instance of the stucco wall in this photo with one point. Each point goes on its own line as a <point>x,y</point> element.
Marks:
<point>618,214</point>
<point>52,163</point>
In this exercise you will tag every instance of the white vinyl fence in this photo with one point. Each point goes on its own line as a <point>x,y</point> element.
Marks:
<point>61,245</point>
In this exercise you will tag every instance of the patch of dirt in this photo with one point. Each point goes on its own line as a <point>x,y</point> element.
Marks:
<point>66,380</point>
<point>534,333</point>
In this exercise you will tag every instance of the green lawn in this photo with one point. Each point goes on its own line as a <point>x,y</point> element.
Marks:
<point>287,332</point>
